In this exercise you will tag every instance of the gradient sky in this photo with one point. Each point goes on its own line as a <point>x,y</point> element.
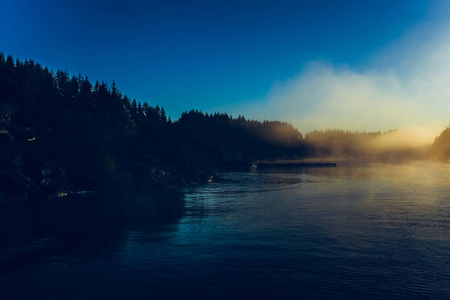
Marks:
<point>317,64</point>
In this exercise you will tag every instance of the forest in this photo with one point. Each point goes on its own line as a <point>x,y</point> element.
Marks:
<point>62,133</point>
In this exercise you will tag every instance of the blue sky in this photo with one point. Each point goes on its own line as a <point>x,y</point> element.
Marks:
<point>241,57</point>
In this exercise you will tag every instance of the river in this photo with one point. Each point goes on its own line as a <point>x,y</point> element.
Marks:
<point>372,231</point>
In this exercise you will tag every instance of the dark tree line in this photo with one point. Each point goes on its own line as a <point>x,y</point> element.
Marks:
<point>91,130</point>
<point>341,143</point>
<point>223,138</point>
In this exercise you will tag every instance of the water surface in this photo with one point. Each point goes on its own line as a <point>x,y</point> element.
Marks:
<point>355,231</point>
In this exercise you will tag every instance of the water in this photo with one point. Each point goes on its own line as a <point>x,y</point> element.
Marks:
<point>356,231</point>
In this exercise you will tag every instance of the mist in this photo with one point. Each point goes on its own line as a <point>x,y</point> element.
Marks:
<point>404,86</point>
<point>393,145</point>
<point>414,137</point>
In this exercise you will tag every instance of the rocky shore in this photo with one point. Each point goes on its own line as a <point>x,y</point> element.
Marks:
<point>29,170</point>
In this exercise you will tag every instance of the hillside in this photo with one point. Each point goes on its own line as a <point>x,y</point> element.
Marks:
<point>61,133</point>
<point>440,150</point>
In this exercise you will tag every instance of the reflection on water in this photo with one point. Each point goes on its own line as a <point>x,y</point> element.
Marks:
<point>81,225</point>
<point>355,231</point>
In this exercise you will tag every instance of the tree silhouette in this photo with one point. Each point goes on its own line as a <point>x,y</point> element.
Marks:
<point>95,133</point>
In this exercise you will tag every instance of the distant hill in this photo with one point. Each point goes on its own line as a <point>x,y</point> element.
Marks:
<point>440,150</point>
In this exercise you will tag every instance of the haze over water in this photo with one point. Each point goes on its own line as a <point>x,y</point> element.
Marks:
<point>359,231</point>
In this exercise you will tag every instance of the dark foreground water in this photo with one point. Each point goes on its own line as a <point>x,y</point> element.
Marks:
<point>355,231</point>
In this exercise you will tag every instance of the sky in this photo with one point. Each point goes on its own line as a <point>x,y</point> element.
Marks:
<point>354,65</point>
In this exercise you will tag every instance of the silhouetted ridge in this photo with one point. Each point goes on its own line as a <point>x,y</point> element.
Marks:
<point>440,150</point>
<point>221,138</point>
<point>60,133</point>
